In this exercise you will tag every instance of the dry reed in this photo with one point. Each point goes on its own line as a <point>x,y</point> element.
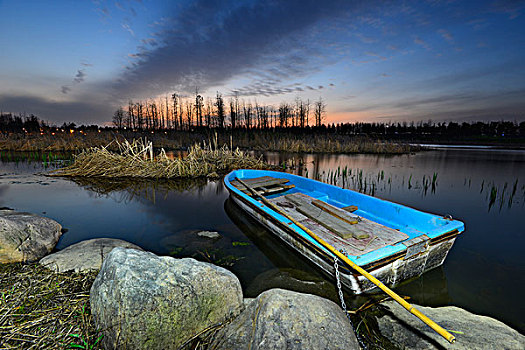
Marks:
<point>41,309</point>
<point>137,159</point>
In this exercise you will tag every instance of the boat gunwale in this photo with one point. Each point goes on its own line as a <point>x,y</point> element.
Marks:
<point>328,257</point>
<point>367,259</point>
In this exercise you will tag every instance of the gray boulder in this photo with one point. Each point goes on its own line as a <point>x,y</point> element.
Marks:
<point>84,256</point>
<point>471,331</point>
<point>143,301</point>
<point>26,237</point>
<point>282,319</point>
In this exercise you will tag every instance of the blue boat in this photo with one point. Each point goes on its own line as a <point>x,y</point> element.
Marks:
<point>392,242</point>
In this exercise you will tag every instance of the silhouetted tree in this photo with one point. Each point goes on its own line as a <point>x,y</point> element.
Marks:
<point>175,98</point>
<point>118,118</point>
<point>319,112</point>
<point>219,103</point>
<point>199,103</point>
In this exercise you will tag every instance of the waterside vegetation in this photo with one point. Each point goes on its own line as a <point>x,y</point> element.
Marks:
<point>44,310</point>
<point>137,159</point>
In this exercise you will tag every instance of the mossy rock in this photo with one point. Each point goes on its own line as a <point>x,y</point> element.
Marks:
<point>143,301</point>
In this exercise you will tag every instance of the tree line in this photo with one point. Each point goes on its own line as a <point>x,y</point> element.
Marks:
<point>179,112</point>
<point>295,118</point>
<point>20,123</point>
<point>432,129</point>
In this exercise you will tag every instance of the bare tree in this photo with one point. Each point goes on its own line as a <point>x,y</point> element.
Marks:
<point>233,113</point>
<point>174,97</point>
<point>140,115</point>
<point>181,114</point>
<point>118,118</point>
<point>131,115</point>
<point>307,111</point>
<point>319,111</point>
<point>168,119</point>
<point>247,111</point>
<point>209,111</point>
<point>219,103</point>
<point>189,114</point>
<point>284,114</point>
<point>199,103</point>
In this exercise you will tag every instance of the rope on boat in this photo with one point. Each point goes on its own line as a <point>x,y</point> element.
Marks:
<point>437,328</point>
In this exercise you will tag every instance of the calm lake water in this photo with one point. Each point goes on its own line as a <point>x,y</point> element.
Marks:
<point>484,272</point>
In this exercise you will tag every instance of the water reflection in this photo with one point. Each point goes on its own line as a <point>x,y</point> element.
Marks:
<point>485,189</point>
<point>381,174</point>
<point>130,188</point>
<point>290,270</point>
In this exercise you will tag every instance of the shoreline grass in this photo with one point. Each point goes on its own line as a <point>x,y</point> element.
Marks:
<point>258,140</point>
<point>41,309</point>
<point>137,160</point>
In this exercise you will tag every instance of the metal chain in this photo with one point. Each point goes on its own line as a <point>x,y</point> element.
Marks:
<point>341,297</point>
<point>340,289</point>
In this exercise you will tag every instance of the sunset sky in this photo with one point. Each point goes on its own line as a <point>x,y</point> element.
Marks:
<point>371,61</point>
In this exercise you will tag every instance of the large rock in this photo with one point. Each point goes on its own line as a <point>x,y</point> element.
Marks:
<point>282,319</point>
<point>26,237</point>
<point>142,301</point>
<point>84,256</point>
<point>471,331</point>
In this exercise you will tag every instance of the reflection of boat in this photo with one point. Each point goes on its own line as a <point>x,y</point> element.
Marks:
<point>284,269</point>
<point>391,241</point>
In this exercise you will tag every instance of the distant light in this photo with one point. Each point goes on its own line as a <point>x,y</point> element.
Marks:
<point>71,131</point>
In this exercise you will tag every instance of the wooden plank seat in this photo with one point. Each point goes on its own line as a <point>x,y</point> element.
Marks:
<point>334,219</point>
<point>377,235</point>
<point>265,185</point>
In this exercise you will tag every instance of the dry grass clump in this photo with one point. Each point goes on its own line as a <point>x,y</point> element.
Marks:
<point>41,309</point>
<point>137,159</point>
<point>325,144</point>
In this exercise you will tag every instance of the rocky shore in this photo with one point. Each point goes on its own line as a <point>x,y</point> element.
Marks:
<point>139,300</point>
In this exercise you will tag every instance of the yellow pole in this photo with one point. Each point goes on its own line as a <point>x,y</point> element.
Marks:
<point>359,269</point>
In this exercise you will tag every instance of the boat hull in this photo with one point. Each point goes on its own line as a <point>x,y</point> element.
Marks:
<point>413,257</point>
<point>389,273</point>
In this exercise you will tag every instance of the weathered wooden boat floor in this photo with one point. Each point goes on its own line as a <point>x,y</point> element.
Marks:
<point>378,235</point>
<point>264,184</point>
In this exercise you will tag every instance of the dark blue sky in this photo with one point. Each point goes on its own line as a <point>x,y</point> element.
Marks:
<point>369,60</point>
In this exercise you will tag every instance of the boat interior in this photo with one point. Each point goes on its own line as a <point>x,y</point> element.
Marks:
<point>339,226</point>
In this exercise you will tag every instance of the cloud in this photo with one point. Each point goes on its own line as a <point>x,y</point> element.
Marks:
<point>373,54</point>
<point>365,39</point>
<point>511,8</point>
<point>446,35</point>
<point>207,43</point>
<point>443,99</point>
<point>127,28</point>
<point>262,88</point>
<point>65,89</point>
<point>58,112</point>
<point>448,106</point>
<point>421,43</point>
<point>79,77</point>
